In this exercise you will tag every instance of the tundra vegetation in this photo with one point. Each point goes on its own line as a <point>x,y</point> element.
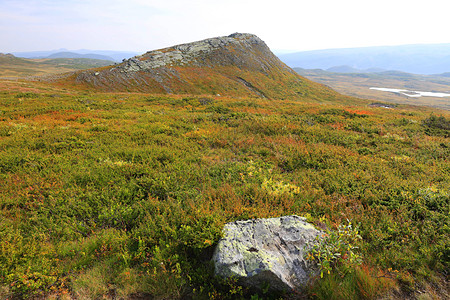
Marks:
<point>123,195</point>
<point>14,67</point>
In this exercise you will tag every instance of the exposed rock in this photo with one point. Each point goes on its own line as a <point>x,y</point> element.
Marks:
<point>190,53</point>
<point>267,251</point>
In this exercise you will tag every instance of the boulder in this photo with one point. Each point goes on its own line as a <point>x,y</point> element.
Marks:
<point>267,251</point>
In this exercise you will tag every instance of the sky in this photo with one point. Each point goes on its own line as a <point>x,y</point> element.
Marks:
<point>292,25</point>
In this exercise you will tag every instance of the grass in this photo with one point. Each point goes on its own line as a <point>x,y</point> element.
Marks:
<point>125,194</point>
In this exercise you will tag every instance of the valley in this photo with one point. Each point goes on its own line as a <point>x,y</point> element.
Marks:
<point>413,94</point>
<point>367,85</point>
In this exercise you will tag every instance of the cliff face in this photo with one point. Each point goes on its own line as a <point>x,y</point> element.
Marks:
<point>240,64</point>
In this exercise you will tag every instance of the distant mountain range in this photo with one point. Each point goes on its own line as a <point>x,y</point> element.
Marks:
<point>418,59</point>
<point>109,55</point>
<point>77,55</point>
<point>348,69</point>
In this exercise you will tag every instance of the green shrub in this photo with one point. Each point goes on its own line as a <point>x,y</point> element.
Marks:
<point>336,250</point>
<point>435,125</point>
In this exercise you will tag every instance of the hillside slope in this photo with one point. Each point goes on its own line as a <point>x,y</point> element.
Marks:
<point>234,65</point>
<point>12,66</point>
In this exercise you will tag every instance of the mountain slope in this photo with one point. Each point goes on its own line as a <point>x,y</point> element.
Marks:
<point>234,65</point>
<point>12,66</point>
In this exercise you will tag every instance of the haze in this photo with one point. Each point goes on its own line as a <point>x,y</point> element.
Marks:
<point>141,25</point>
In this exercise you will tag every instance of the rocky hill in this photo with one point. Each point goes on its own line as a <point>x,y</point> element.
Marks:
<point>236,65</point>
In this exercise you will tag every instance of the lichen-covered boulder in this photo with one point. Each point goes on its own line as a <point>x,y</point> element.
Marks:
<point>267,251</point>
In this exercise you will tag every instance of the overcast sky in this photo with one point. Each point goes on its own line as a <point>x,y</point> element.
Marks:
<point>142,25</point>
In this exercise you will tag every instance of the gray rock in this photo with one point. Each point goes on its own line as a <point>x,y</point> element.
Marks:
<point>267,251</point>
<point>186,53</point>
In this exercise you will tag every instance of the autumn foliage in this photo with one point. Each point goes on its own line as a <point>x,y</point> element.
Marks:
<point>116,195</point>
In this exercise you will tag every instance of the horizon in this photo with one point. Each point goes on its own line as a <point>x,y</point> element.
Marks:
<point>290,26</point>
<point>276,51</point>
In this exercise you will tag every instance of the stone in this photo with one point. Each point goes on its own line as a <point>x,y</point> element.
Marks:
<point>267,251</point>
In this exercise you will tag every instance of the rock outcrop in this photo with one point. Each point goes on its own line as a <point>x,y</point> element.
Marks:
<point>240,64</point>
<point>198,53</point>
<point>267,251</point>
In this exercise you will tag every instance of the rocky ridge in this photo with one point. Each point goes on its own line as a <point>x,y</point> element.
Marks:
<point>189,53</point>
<point>240,64</point>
